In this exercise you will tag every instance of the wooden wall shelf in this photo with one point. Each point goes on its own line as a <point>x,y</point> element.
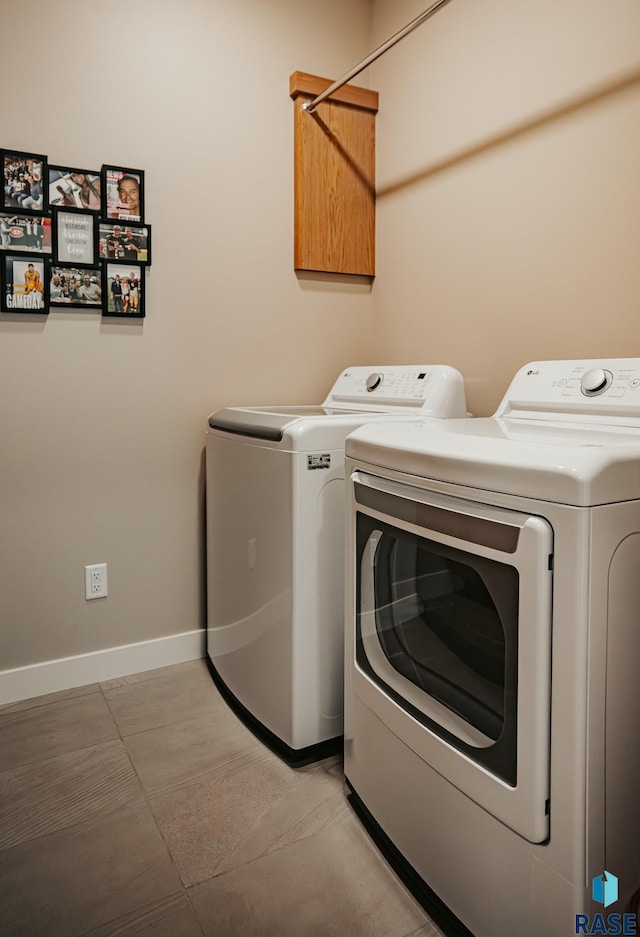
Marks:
<point>334,178</point>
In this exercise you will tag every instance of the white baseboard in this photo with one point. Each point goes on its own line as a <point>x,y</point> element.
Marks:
<point>50,676</point>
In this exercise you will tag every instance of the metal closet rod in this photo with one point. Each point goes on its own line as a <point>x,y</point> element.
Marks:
<point>310,106</point>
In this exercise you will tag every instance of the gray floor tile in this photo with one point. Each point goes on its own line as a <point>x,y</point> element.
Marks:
<point>171,917</point>
<point>31,735</point>
<point>329,885</point>
<point>265,849</point>
<point>194,750</point>
<point>203,823</point>
<point>315,802</point>
<point>50,795</point>
<point>429,930</point>
<point>36,701</point>
<point>170,697</point>
<point>143,676</point>
<point>67,883</point>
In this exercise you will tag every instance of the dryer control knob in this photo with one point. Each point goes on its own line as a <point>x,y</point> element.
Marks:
<point>374,380</point>
<point>595,381</point>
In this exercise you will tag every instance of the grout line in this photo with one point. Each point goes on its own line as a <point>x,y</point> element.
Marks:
<point>195,913</point>
<point>160,725</point>
<point>136,916</point>
<point>47,699</point>
<point>148,676</point>
<point>147,800</point>
<point>113,718</point>
<point>263,753</point>
<point>79,748</point>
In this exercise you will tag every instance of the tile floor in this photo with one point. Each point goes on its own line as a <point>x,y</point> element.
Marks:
<point>142,807</point>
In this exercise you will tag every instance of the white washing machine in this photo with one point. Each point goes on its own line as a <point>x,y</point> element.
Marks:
<point>492,689</point>
<point>275,547</point>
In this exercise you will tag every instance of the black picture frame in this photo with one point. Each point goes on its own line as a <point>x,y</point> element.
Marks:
<point>116,246</point>
<point>74,189</point>
<point>73,292</point>
<point>17,234</point>
<point>118,305</point>
<point>120,187</point>
<point>75,237</point>
<point>15,296</point>
<point>17,167</point>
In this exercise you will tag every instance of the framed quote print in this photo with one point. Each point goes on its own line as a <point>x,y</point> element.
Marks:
<point>75,237</point>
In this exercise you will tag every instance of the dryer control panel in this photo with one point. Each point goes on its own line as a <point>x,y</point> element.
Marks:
<point>399,386</point>
<point>595,387</point>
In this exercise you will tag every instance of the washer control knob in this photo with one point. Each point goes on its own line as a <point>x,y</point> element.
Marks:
<point>595,381</point>
<point>374,380</point>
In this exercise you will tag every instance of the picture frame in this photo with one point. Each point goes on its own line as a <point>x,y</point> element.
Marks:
<point>122,301</point>
<point>117,245</point>
<point>26,233</point>
<point>74,189</point>
<point>75,286</point>
<point>122,194</point>
<point>75,237</point>
<point>23,181</point>
<point>25,283</point>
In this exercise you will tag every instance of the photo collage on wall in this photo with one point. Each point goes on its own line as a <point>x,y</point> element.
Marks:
<point>72,238</point>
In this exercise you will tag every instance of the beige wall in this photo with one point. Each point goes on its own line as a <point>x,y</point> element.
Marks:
<point>508,213</point>
<point>508,229</point>
<point>102,421</point>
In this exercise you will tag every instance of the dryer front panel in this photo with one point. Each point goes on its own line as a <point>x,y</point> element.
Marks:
<point>452,640</point>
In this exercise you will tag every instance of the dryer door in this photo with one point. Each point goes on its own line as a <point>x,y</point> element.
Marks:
<point>452,640</point>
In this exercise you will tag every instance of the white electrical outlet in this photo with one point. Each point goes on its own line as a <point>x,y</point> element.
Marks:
<point>95,581</point>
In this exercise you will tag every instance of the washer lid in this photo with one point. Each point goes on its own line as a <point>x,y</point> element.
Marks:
<point>359,392</point>
<point>270,422</point>
<point>579,464</point>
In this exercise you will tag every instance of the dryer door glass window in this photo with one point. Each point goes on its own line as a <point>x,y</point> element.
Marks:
<point>438,631</point>
<point>440,628</point>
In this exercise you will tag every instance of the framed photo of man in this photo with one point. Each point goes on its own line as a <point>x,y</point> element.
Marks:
<point>24,181</point>
<point>25,233</point>
<point>25,285</point>
<point>74,189</point>
<point>124,243</point>
<point>75,286</point>
<point>122,194</point>
<point>123,290</point>
<point>75,237</point>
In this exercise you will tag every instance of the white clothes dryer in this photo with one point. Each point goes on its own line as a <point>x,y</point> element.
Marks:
<point>275,547</point>
<point>492,651</point>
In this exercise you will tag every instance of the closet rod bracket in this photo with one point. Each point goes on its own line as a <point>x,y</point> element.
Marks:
<point>310,106</point>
